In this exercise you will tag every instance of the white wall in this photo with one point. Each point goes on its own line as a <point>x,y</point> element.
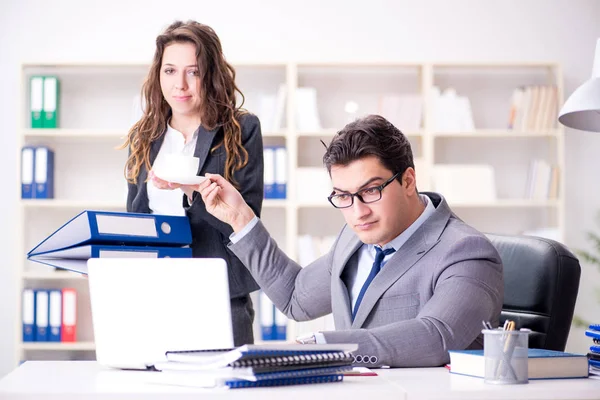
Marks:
<point>309,30</point>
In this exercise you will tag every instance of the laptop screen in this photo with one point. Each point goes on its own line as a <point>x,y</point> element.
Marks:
<point>143,307</point>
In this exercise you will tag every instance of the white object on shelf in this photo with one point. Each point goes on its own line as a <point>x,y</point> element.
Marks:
<point>465,183</point>
<point>312,184</point>
<point>307,111</point>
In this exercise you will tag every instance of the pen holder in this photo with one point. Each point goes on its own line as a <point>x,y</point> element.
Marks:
<point>505,355</point>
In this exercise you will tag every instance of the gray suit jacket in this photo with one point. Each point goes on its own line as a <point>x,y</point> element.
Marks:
<point>430,297</point>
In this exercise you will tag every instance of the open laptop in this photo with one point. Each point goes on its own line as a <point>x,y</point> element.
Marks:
<point>143,307</point>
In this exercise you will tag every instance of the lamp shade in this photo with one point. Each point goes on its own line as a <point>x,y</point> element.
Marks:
<point>582,109</point>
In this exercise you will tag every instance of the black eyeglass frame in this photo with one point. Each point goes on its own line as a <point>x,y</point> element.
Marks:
<point>357,195</point>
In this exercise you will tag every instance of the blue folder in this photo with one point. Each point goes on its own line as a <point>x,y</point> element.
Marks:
<point>117,228</point>
<point>75,258</point>
<point>43,173</point>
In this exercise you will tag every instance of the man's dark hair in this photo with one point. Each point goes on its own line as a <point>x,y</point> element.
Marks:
<point>372,135</point>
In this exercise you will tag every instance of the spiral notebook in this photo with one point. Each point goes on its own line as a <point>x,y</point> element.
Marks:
<point>264,355</point>
<point>258,365</point>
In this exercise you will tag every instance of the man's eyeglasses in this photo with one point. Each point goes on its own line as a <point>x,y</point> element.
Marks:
<point>367,195</point>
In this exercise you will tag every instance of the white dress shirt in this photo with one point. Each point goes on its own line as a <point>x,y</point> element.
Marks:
<point>170,201</point>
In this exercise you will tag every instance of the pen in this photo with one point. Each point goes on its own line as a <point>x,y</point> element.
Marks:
<point>504,363</point>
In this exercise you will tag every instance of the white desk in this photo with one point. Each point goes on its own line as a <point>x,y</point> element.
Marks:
<point>86,379</point>
<point>438,383</point>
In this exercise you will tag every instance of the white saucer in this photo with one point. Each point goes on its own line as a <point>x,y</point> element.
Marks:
<point>182,180</point>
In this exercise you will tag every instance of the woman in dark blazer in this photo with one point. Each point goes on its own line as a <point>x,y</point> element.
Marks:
<point>190,109</point>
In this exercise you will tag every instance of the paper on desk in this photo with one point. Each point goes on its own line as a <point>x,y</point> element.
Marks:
<point>360,371</point>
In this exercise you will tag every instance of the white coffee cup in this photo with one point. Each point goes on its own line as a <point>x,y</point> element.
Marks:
<point>180,165</point>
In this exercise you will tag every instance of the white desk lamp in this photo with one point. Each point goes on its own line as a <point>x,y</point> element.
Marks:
<point>582,109</point>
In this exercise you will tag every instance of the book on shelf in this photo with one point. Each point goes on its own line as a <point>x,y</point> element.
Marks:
<point>44,101</point>
<point>542,364</point>
<point>37,172</point>
<point>49,315</point>
<point>259,365</point>
<point>533,108</point>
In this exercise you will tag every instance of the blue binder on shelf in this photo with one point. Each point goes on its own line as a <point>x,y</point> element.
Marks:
<point>269,172</point>
<point>280,172</point>
<point>117,228</point>
<point>280,328</point>
<point>41,315</point>
<point>43,173</point>
<point>27,172</point>
<point>54,315</point>
<point>266,317</point>
<point>28,315</point>
<point>75,258</point>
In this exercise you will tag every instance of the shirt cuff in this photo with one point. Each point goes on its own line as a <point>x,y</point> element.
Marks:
<point>236,237</point>
<point>320,338</point>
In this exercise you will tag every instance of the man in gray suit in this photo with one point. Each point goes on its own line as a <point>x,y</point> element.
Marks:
<point>406,279</point>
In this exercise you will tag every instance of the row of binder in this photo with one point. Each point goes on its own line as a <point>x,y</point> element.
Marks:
<point>44,100</point>
<point>273,323</point>
<point>37,172</point>
<point>275,173</point>
<point>49,315</point>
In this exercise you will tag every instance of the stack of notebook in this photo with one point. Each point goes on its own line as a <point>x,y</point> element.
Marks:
<point>594,354</point>
<point>95,234</point>
<point>258,365</point>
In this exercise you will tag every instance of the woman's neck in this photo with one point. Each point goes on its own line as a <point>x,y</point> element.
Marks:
<point>186,125</point>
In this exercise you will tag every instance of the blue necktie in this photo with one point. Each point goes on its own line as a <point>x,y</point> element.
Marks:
<point>379,256</point>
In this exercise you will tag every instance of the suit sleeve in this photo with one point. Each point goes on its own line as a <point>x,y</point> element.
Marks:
<point>468,290</point>
<point>249,178</point>
<point>300,293</point>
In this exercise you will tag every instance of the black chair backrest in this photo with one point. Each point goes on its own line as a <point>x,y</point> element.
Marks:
<point>541,281</point>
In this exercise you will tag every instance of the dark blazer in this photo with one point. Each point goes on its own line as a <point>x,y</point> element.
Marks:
<point>210,236</point>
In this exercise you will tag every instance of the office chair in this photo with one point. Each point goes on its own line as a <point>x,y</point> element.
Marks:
<point>541,281</point>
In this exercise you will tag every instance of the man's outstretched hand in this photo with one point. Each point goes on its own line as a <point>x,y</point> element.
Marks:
<point>224,202</point>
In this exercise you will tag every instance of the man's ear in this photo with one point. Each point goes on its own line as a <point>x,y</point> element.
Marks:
<point>409,180</point>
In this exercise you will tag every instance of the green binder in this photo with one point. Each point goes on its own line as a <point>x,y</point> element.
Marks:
<point>36,99</point>
<point>50,104</point>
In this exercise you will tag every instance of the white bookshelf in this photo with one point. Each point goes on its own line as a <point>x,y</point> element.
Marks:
<point>45,346</point>
<point>96,112</point>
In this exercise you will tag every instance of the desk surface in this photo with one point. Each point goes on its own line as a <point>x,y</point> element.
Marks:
<point>81,379</point>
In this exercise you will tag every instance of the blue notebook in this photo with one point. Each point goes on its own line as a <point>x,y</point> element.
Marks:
<point>103,227</point>
<point>237,384</point>
<point>595,327</point>
<point>542,364</point>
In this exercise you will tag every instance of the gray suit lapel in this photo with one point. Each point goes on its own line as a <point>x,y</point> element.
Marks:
<point>342,312</point>
<point>404,258</point>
